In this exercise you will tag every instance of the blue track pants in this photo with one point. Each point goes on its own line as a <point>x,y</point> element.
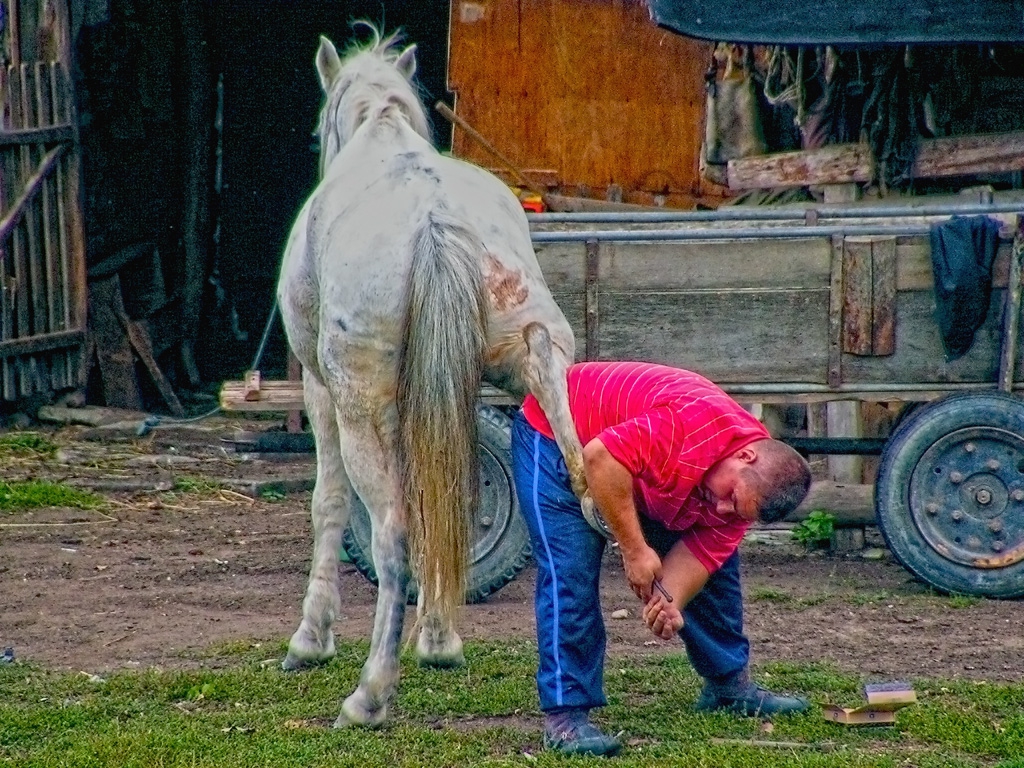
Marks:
<point>570,629</point>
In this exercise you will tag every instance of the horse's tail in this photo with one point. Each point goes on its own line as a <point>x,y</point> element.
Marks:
<point>443,344</point>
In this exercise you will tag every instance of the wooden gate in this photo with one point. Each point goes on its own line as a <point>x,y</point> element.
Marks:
<point>42,246</point>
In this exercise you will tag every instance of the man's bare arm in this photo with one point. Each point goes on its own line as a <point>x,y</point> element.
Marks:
<point>611,486</point>
<point>683,576</point>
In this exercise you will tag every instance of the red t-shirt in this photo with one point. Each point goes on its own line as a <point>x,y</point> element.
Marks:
<point>667,427</point>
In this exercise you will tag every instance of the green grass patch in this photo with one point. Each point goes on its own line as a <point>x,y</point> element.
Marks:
<point>40,493</point>
<point>32,444</point>
<point>189,484</point>
<point>251,714</point>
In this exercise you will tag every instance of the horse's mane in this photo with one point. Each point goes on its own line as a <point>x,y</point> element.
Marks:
<point>370,77</point>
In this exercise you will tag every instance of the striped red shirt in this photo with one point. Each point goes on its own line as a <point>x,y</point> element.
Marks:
<point>667,427</point>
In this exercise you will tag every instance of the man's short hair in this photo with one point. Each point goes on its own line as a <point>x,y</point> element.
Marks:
<point>784,479</point>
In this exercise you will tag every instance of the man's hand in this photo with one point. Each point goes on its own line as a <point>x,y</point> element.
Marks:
<point>662,617</point>
<point>642,567</point>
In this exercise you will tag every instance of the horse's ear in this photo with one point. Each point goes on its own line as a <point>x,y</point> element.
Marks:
<point>406,63</point>
<point>328,64</point>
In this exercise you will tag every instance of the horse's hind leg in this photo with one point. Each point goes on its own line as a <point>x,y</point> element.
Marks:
<point>438,644</point>
<point>545,369</point>
<point>313,641</point>
<point>372,467</point>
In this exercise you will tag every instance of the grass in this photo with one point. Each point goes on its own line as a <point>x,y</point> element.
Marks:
<point>250,714</point>
<point>33,494</point>
<point>26,444</point>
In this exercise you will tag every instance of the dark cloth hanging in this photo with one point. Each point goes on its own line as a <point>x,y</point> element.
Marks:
<point>963,250</point>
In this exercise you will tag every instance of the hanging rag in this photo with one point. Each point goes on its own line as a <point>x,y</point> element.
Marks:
<point>963,250</point>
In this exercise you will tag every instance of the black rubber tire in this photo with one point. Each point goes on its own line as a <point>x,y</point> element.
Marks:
<point>501,549</point>
<point>925,494</point>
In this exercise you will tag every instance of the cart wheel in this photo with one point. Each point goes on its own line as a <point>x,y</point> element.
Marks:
<point>950,494</point>
<point>500,539</point>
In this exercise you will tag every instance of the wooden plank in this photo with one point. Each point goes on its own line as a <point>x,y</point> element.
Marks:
<point>914,264</point>
<point>24,233</point>
<point>70,212</point>
<point>58,364</point>
<point>1011,314</point>
<point>842,419</point>
<point>834,375</point>
<point>563,266</point>
<point>143,347</point>
<point>716,265</point>
<point>593,322</point>
<point>883,295</point>
<point>720,264</point>
<point>6,193</point>
<point>42,342</point>
<point>845,163</point>
<point>113,348</point>
<point>44,134</point>
<point>286,396</point>
<point>857,284</point>
<point>33,184</point>
<point>729,336</point>
<point>919,357</point>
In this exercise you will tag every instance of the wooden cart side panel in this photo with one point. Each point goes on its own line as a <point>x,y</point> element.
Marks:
<point>757,312</point>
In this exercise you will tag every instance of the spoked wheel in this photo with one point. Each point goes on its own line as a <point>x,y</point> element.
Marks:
<point>950,494</point>
<point>500,539</point>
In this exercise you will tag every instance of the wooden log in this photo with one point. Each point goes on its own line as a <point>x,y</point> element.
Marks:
<point>852,504</point>
<point>846,163</point>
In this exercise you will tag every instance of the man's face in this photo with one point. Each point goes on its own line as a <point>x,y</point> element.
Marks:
<point>727,487</point>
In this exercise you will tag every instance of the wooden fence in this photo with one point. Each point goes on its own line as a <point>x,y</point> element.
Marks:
<point>42,252</point>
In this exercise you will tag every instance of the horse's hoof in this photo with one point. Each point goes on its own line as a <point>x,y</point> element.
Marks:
<point>304,651</point>
<point>443,662</point>
<point>447,655</point>
<point>355,713</point>
<point>293,663</point>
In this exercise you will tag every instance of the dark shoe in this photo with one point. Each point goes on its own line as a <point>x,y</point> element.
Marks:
<point>755,702</point>
<point>585,739</point>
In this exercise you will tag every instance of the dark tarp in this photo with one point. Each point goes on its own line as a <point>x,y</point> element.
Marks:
<point>843,22</point>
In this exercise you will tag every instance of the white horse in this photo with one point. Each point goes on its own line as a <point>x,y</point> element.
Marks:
<point>408,276</point>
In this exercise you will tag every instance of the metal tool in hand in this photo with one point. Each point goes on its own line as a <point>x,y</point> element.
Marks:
<point>657,585</point>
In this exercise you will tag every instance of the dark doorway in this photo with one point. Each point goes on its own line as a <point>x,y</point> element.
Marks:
<point>265,51</point>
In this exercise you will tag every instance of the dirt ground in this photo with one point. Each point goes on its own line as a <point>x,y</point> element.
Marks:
<point>163,575</point>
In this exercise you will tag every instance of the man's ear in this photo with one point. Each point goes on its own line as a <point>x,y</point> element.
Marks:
<point>747,454</point>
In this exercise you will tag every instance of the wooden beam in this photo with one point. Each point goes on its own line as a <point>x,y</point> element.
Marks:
<point>845,163</point>
<point>286,396</point>
<point>41,343</point>
<point>32,186</point>
<point>62,132</point>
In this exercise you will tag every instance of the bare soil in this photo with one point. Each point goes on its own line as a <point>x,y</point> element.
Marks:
<point>164,575</point>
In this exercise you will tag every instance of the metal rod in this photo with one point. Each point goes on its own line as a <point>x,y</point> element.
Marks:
<point>770,213</point>
<point>837,446</point>
<point>767,233</point>
<point>797,388</point>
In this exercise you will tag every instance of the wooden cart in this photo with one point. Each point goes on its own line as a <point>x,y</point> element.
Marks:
<point>784,305</point>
